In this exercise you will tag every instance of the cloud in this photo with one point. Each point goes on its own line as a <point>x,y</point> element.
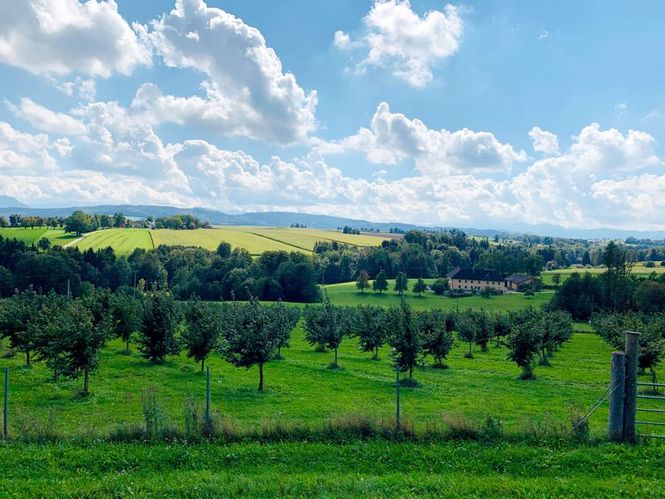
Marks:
<point>66,36</point>
<point>393,137</point>
<point>543,141</point>
<point>605,178</point>
<point>46,120</point>
<point>410,46</point>
<point>24,153</point>
<point>342,40</point>
<point>246,91</point>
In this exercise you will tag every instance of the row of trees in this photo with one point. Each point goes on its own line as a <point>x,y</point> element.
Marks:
<point>68,334</point>
<point>380,284</point>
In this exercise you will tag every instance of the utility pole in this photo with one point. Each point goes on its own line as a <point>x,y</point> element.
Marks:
<point>5,412</point>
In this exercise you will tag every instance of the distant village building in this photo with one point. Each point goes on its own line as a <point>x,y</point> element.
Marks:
<point>479,279</point>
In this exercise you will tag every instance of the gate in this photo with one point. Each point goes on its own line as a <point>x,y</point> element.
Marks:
<point>649,410</point>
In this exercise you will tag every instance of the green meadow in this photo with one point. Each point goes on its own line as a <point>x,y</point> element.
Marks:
<point>374,469</point>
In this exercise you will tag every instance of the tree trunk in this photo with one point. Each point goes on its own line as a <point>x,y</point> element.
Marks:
<point>27,358</point>
<point>410,372</point>
<point>127,346</point>
<point>86,382</point>
<point>335,355</point>
<point>261,377</point>
<point>376,353</point>
<point>470,345</point>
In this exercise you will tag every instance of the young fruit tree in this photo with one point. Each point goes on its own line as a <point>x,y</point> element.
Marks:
<point>362,282</point>
<point>523,344</point>
<point>405,339</point>
<point>467,328</point>
<point>369,326</point>
<point>45,333</point>
<point>326,326</point>
<point>249,336</point>
<point>484,329</point>
<point>160,319</point>
<point>437,333</point>
<point>285,319</point>
<point>203,326</point>
<point>419,287</point>
<point>124,312</point>
<point>16,315</point>
<point>401,283</point>
<point>380,283</point>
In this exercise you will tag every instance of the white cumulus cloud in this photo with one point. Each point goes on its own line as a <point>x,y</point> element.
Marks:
<point>408,45</point>
<point>247,92</point>
<point>66,36</point>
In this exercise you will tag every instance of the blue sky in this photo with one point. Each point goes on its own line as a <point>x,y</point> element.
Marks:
<point>492,114</point>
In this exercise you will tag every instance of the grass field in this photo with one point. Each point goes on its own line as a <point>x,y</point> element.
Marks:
<point>638,269</point>
<point>347,294</point>
<point>256,240</point>
<point>362,469</point>
<point>29,236</point>
<point>123,241</point>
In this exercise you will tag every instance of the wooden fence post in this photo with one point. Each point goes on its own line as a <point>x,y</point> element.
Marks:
<point>208,396</point>
<point>5,412</point>
<point>630,389</point>
<point>397,400</point>
<point>617,387</point>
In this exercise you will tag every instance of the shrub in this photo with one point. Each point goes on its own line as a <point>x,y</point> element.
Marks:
<point>153,413</point>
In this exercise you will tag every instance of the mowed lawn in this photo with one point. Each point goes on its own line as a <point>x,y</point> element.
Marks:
<point>347,294</point>
<point>123,241</point>
<point>372,469</point>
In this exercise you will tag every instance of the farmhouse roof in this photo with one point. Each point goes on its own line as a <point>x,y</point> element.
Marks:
<point>518,278</point>
<point>475,274</point>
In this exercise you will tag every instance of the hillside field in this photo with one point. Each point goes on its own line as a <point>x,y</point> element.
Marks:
<point>256,240</point>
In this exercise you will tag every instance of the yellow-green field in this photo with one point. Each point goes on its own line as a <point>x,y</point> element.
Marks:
<point>123,241</point>
<point>638,269</point>
<point>256,240</point>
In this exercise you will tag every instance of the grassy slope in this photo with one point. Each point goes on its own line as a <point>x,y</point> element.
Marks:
<point>362,469</point>
<point>347,294</point>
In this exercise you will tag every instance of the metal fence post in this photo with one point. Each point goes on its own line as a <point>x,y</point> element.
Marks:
<point>630,390</point>
<point>617,387</point>
<point>397,400</point>
<point>5,412</point>
<point>207,395</point>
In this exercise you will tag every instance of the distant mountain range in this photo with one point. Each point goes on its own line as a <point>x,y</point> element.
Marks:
<point>9,205</point>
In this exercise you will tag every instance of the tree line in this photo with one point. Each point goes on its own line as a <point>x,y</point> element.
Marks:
<point>225,274</point>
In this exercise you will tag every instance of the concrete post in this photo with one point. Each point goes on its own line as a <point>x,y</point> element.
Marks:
<point>630,389</point>
<point>617,385</point>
